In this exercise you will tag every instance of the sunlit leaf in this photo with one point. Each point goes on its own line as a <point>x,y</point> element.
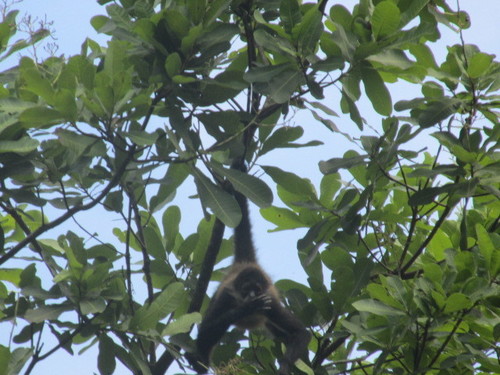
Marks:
<point>181,325</point>
<point>385,19</point>
<point>376,307</point>
<point>164,303</point>
<point>21,146</point>
<point>478,64</point>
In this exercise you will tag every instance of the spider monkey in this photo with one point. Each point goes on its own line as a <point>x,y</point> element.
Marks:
<point>248,299</point>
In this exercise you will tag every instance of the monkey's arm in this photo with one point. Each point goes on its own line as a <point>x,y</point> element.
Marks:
<point>222,312</point>
<point>288,328</point>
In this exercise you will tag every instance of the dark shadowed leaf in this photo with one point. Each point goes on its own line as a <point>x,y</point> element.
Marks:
<point>335,164</point>
<point>376,90</point>
<point>219,201</point>
<point>437,111</point>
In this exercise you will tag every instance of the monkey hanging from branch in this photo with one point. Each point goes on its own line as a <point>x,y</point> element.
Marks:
<point>248,299</point>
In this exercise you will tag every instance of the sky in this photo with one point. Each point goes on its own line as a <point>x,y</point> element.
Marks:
<point>71,25</point>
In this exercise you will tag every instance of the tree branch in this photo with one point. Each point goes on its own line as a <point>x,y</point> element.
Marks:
<point>200,291</point>
<point>84,207</point>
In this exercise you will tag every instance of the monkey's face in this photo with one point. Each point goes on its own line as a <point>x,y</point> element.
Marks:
<point>250,290</point>
<point>250,283</point>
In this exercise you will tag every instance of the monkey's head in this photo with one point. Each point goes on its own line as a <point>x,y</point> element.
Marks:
<point>251,282</point>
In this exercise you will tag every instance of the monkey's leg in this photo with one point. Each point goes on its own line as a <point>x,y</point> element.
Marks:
<point>287,327</point>
<point>222,312</point>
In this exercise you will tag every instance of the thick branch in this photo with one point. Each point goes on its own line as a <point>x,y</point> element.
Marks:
<point>207,266</point>
<point>422,247</point>
<point>200,291</point>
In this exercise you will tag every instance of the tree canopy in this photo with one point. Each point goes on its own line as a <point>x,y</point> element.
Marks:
<point>401,234</point>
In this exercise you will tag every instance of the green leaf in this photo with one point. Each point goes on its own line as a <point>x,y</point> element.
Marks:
<point>478,64</point>
<point>335,164</point>
<point>12,275</point>
<point>283,218</point>
<point>154,243</point>
<point>182,325</point>
<point>2,240</point>
<point>92,306</point>
<point>142,138</point>
<point>309,31</point>
<point>291,182</point>
<point>376,307</point>
<point>18,359</point>
<point>196,9</point>
<point>116,57</point>
<point>14,105</point>
<point>348,106</point>
<point>181,79</point>
<point>281,87</point>
<point>485,244</point>
<point>330,185</point>
<point>36,83</point>
<point>98,22</point>
<point>175,176</point>
<point>114,201</point>
<point>426,195</point>
<point>385,19</point>
<point>177,23</point>
<point>290,14</point>
<point>437,111</point>
<point>376,90</point>
<point>252,187</point>
<point>281,137</point>
<point>214,10</point>
<point>65,103</point>
<point>173,64</point>
<point>77,143</point>
<point>392,58</point>
<point>4,359</point>
<point>453,144</point>
<point>171,220</point>
<point>106,362</point>
<point>414,7</point>
<point>432,90</point>
<point>44,313</point>
<point>21,146</point>
<point>457,302</point>
<point>40,117</point>
<point>274,43</point>
<point>167,301</point>
<point>439,244</point>
<point>223,204</point>
<point>341,15</point>
<point>265,73</point>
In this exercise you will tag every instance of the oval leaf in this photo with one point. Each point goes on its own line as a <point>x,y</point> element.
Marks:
<point>385,19</point>
<point>252,187</point>
<point>376,90</point>
<point>223,204</point>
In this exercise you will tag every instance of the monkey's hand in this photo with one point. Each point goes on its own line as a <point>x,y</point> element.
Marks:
<point>259,303</point>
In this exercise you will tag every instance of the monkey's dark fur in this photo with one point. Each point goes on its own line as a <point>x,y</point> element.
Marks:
<point>248,299</point>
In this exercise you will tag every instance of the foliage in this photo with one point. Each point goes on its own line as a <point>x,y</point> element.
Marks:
<point>401,249</point>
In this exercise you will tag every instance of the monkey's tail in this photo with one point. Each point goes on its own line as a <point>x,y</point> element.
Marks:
<point>244,250</point>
